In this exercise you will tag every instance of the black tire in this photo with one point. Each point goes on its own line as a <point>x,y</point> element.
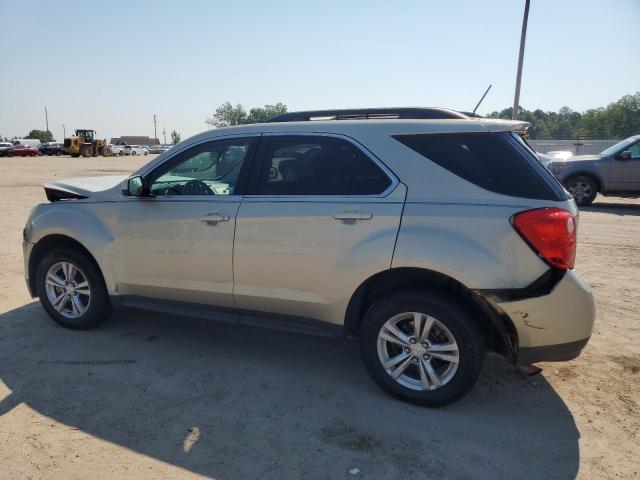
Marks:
<point>99,307</point>
<point>449,312</point>
<point>583,188</point>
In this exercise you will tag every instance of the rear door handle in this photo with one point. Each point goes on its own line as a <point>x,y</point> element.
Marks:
<point>213,218</point>
<point>353,215</point>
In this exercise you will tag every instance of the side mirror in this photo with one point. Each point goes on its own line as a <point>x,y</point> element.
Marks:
<point>626,155</point>
<point>134,187</point>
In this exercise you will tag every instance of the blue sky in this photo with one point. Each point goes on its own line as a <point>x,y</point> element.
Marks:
<point>111,65</point>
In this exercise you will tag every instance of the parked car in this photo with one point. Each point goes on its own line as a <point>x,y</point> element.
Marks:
<point>117,149</point>
<point>560,154</point>
<point>4,148</point>
<point>136,150</point>
<point>432,241</point>
<point>613,172</point>
<point>23,151</point>
<point>165,148</point>
<point>50,148</point>
<point>30,142</point>
<point>155,148</point>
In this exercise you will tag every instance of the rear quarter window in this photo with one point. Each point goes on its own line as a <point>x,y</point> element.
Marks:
<point>492,161</point>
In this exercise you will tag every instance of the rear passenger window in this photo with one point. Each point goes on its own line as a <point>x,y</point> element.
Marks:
<point>489,160</point>
<point>315,165</point>
<point>368,179</point>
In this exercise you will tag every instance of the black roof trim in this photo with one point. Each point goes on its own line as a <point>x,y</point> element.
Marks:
<point>371,113</point>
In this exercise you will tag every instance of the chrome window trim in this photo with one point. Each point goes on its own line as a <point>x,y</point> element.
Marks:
<point>330,198</point>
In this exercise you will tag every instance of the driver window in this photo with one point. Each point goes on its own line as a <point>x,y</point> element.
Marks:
<point>212,168</point>
<point>635,151</point>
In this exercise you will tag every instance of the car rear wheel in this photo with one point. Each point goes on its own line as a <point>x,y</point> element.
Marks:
<point>71,290</point>
<point>583,189</point>
<point>423,348</point>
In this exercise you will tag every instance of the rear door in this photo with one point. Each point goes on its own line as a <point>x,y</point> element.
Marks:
<point>321,215</point>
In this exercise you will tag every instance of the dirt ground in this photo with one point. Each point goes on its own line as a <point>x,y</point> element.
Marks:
<point>151,396</point>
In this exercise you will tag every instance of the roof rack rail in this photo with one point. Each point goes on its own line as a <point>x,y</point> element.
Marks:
<point>371,114</point>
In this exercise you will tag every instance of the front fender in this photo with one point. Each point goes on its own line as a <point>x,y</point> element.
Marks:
<point>89,224</point>
<point>574,171</point>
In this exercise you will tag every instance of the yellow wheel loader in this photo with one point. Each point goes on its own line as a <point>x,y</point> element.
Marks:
<point>83,143</point>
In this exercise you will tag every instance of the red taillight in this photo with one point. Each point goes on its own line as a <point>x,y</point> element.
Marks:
<point>551,232</point>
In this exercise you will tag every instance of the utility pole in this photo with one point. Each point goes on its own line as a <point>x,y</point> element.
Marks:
<point>155,133</point>
<point>64,132</point>
<point>46,118</point>
<point>164,134</point>
<point>523,36</point>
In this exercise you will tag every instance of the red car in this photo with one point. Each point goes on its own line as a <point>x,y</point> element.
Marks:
<point>23,151</point>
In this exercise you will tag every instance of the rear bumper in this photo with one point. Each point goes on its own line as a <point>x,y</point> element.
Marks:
<point>555,326</point>
<point>551,353</point>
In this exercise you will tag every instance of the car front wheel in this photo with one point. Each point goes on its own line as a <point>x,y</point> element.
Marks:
<point>423,348</point>
<point>72,290</point>
<point>583,189</point>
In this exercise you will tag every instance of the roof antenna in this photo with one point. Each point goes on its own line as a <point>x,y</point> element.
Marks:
<point>485,94</point>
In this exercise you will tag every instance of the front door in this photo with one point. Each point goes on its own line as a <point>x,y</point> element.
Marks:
<point>177,244</point>
<point>625,174</point>
<point>320,217</point>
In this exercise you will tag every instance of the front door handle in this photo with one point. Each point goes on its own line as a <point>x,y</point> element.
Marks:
<point>353,215</point>
<point>213,218</point>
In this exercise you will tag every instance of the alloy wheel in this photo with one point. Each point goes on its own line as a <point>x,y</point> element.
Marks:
<point>580,191</point>
<point>418,351</point>
<point>68,289</point>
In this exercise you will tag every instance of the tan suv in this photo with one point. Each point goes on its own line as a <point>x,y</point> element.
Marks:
<point>430,235</point>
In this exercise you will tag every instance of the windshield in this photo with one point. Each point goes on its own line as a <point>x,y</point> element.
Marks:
<point>618,146</point>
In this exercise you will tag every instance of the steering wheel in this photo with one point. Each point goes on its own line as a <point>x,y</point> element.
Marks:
<point>196,187</point>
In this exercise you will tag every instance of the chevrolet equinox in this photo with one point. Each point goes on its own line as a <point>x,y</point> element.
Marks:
<point>429,235</point>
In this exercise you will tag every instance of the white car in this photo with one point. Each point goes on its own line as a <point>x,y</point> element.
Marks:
<point>560,154</point>
<point>117,149</point>
<point>136,150</point>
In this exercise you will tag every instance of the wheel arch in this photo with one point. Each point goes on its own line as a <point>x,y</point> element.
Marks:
<point>585,173</point>
<point>500,332</point>
<point>47,244</point>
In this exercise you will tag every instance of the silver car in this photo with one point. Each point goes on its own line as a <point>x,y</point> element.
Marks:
<point>429,235</point>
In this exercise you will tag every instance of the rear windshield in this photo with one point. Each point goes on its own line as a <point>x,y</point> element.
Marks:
<point>497,162</point>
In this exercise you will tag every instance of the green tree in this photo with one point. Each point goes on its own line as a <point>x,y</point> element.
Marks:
<point>41,135</point>
<point>619,119</point>
<point>227,114</point>
<point>175,137</point>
